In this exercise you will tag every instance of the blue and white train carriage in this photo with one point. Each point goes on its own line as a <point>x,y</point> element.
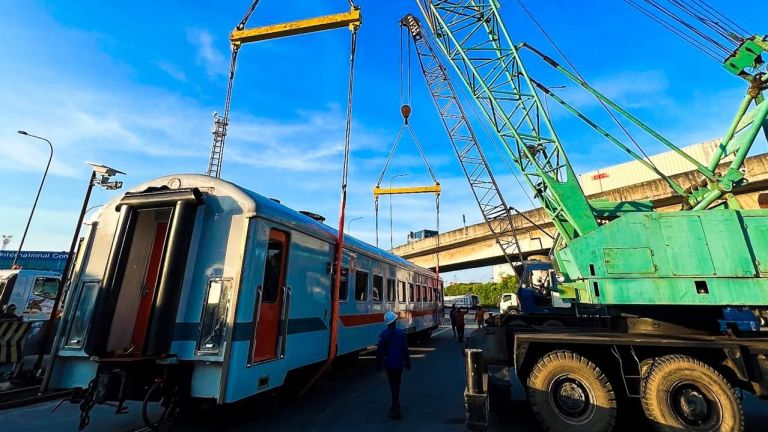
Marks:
<point>201,284</point>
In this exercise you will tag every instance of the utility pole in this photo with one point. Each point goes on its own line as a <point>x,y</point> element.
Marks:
<point>37,197</point>
<point>101,175</point>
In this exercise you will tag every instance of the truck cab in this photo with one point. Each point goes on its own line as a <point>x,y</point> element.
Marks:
<point>537,291</point>
<point>508,303</point>
<point>33,292</point>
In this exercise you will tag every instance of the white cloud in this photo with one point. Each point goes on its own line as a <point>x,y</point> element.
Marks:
<point>207,54</point>
<point>173,70</point>
<point>630,89</point>
<point>310,141</point>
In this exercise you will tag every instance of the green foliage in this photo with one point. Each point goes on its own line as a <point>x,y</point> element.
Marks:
<point>489,293</point>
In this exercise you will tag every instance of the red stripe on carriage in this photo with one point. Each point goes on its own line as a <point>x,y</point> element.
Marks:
<point>362,319</point>
<point>416,313</point>
<point>376,318</point>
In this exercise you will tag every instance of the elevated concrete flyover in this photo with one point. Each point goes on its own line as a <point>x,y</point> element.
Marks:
<point>474,246</point>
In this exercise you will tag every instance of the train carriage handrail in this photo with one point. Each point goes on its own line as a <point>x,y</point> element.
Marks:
<point>284,320</point>
<point>257,308</point>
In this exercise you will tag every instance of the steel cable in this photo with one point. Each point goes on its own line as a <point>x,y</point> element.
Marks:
<point>676,31</point>
<point>678,19</point>
<point>247,15</point>
<point>576,71</point>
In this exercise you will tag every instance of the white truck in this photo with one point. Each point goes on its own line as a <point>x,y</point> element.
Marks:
<point>31,291</point>
<point>508,303</point>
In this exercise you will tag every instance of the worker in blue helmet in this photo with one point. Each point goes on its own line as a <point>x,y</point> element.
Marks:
<point>392,352</point>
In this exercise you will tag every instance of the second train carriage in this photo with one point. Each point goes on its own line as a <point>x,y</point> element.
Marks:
<point>221,291</point>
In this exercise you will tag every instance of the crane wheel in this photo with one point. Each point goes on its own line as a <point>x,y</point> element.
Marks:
<point>553,323</point>
<point>682,393</point>
<point>567,392</point>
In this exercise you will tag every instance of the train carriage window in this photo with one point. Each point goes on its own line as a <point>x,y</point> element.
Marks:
<point>418,293</point>
<point>83,314</point>
<point>391,295</point>
<point>274,267</point>
<point>401,292</point>
<point>361,285</point>
<point>344,284</point>
<point>213,321</point>
<point>410,292</point>
<point>378,288</point>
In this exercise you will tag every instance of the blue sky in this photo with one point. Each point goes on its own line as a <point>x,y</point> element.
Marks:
<point>134,86</point>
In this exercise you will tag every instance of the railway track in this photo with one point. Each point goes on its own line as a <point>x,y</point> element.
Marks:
<point>27,396</point>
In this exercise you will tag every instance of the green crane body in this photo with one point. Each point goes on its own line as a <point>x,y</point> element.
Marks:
<point>711,253</point>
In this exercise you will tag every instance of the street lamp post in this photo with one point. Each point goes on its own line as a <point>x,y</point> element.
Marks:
<point>100,176</point>
<point>37,197</point>
<point>349,222</point>
<point>390,208</point>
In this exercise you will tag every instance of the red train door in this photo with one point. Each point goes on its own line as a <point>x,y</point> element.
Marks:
<point>146,300</point>
<point>265,344</point>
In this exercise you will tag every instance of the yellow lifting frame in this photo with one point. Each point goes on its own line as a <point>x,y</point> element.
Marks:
<point>436,189</point>
<point>351,19</point>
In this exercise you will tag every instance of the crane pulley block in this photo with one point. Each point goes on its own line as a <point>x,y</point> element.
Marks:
<point>748,56</point>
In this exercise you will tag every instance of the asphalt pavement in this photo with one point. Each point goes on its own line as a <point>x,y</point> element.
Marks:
<point>353,397</point>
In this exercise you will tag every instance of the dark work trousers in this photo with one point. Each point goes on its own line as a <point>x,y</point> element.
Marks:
<point>460,332</point>
<point>453,327</point>
<point>395,375</point>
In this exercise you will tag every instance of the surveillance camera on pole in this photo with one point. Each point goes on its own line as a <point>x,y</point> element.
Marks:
<point>103,174</point>
<point>100,176</point>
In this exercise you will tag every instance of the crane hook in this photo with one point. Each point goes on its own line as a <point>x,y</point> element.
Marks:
<point>405,110</point>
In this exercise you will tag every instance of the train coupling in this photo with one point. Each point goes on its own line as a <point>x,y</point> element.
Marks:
<point>141,379</point>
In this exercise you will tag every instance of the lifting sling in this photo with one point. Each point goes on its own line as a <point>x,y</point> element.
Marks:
<point>405,111</point>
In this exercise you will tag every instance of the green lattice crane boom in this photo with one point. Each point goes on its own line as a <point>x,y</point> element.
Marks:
<point>615,254</point>
<point>485,189</point>
<point>500,85</point>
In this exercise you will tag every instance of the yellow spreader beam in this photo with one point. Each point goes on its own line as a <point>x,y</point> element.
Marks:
<point>407,190</point>
<point>349,19</point>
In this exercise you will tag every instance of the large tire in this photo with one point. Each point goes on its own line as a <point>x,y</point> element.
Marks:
<point>682,393</point>
<point>553,323</point>
<point>569,393</point>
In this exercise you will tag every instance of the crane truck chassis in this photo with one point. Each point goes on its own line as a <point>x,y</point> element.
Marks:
<point>667,294</point>
<point>578,378</point>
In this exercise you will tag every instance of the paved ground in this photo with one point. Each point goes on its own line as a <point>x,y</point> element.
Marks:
<point>344,401</point>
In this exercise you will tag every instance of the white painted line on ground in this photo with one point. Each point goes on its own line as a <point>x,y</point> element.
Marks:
<point>440,331</point>
<point>412,356</point>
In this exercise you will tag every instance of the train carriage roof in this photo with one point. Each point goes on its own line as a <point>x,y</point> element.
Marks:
<point>251,202</point>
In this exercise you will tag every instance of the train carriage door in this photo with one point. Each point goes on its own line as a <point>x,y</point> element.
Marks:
<point>270,308</point>
<point>148,287</point>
